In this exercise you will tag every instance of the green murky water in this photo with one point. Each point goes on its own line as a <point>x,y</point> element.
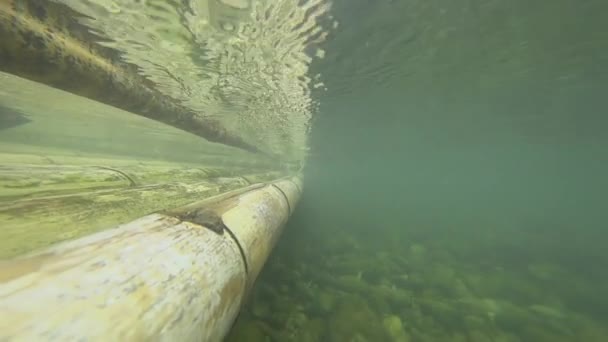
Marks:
<point>455,152</point>
<point>456,185</point>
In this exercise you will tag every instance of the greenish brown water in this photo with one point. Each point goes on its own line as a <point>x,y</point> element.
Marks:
<point>456,185</point>
<point>455,157</point>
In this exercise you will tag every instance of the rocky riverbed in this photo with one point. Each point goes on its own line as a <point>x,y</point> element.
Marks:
<point>346,288</point>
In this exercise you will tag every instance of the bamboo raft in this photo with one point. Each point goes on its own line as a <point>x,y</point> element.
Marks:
<point>115,227</point>
<point>115,248</point>
<point>178,275</point>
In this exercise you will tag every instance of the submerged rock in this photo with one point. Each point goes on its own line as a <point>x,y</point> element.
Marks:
<point>479,336</point>
<point>474,323</point>
<point>505,337</point>
<point>313,331</point>
<point>325,302</point>
<point>417,256</point>
<point>458,337</point>
<point>392,324</point>
<point>545,271</point>
<point>444,313</point>
<point>353,318</point>
<point>394,328</point>
<point>250,331</point>
<point>546,311</point>
<point>417,249</point>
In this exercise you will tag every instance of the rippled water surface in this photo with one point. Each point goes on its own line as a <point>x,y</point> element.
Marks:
<point>244,63</point>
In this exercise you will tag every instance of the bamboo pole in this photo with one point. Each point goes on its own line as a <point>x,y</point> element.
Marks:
<point>173,276</point>
<point>42,204</point>
<point>25,181</point>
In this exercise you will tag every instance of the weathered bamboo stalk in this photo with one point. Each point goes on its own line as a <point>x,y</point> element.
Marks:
<point>41,41</point>
<point>176,276</point>
<point>22,181</point>
<point>26,181</point>
<point>44,204</point>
